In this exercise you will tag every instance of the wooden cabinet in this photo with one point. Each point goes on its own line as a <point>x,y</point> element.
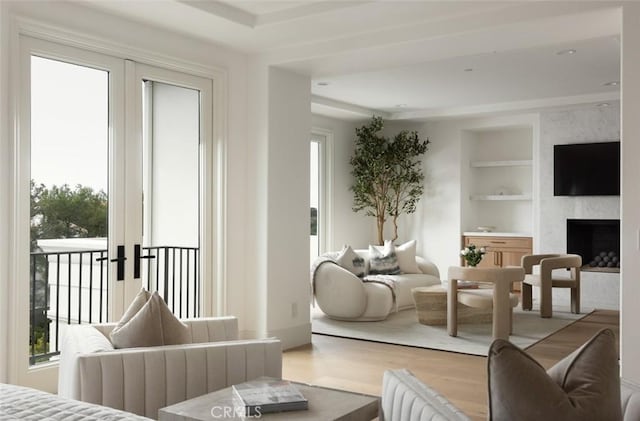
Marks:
<point>501,251</point>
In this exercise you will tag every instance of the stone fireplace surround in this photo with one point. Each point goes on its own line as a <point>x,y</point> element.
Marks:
<point>578,125</point>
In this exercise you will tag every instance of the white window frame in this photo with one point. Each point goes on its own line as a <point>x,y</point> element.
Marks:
<point>324,138</point>
<point>213,293</point>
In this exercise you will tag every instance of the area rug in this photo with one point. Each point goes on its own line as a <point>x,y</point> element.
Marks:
<point>402,328</point>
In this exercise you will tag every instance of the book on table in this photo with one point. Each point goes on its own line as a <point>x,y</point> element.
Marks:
<point>266,395</point>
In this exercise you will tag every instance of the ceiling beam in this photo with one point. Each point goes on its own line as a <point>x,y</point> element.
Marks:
<point>224,11</point>
<point>347,108</point>
<point>502,27</point>
<point>507,107</point>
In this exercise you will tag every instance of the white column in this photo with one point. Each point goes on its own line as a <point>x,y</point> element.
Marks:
<point>5,202</point>
<point>277,289</point>
<point>630,229</point>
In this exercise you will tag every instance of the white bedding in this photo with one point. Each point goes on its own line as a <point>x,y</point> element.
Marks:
<point>23,403</point>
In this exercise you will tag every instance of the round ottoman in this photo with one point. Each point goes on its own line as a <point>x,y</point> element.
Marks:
<point>431,307</point>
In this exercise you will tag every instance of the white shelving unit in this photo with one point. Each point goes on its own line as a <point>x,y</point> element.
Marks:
<point>495,164</point>
<point>498,179</point>
<point>501,197</point>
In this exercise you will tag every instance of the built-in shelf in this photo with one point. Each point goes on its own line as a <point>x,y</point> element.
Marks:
<point>509,163</point>
<point>501,197</point>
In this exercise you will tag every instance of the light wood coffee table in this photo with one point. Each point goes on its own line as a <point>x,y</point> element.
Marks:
<point>324,405</point>
<point>431,308</point>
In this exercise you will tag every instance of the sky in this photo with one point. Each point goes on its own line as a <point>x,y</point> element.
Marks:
<point>69,124</point>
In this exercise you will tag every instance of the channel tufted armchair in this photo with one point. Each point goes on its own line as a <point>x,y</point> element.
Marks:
<point>143,380</point>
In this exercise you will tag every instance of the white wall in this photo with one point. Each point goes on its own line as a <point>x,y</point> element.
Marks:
<point>287,207</point>
<point>255,234</point>
<point>578,125</point>
<point>276,288</point>
<point>347,227</point>
<point>4,192</point>
<point>630,247</point>
<point>436,224</point>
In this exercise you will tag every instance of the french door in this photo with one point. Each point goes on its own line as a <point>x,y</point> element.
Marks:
<point>113,193</point>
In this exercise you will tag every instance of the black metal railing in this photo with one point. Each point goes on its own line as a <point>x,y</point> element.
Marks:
<point>72,287</point>
<point>173,272</point>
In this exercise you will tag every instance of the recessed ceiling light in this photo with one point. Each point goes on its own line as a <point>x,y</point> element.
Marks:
<point>564,52</point>
<point>323,83</point>
<point>612,83</point>
<point>602,104</point>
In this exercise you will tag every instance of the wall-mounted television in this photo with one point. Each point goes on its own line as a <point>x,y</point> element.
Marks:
<point>586,169</point>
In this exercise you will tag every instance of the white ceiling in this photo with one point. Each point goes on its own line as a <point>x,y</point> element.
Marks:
<point>407,59</point>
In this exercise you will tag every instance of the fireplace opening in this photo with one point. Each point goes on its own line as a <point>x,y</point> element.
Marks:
<point>597,241</point>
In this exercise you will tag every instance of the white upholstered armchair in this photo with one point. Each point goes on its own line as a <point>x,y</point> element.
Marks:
<point>143,380</point>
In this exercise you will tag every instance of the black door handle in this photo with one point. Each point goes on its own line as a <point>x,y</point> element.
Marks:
<point>120,259</point>
<point>137,256</point>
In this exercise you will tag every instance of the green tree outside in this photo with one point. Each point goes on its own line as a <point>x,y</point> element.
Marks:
<point>59,212</point>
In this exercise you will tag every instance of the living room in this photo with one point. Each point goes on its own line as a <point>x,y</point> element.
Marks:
<point>259,210</point>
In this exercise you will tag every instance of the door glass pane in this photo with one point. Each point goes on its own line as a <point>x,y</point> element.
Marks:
<point>69,200</point>
<point>171,147</point>
<point>314,245</point>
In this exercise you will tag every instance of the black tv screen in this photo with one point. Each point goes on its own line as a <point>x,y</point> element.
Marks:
<point>586,169</point>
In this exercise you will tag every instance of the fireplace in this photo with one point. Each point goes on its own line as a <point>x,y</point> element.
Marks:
<point>597,241</point>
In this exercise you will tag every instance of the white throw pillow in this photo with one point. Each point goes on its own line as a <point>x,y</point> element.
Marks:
<point>152,325</point>
<point>383,262</point>
<point>406,254</point>
<point>351,261</point>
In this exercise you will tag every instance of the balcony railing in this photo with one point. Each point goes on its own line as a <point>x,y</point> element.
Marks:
<point>72,287</point>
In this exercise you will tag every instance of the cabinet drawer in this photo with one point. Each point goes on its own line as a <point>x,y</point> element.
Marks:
<point>495,243</point>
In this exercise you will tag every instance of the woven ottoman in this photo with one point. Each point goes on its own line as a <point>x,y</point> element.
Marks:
<point>431,308</point>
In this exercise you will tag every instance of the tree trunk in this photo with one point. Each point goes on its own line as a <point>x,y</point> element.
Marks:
<point>395,228</point>
<point>380,221</point>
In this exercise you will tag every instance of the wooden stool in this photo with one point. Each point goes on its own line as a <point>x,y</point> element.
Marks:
<point>431,308</point>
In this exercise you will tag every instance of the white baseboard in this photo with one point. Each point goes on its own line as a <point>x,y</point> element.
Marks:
<point>290,337</point>
<point>293,336</point>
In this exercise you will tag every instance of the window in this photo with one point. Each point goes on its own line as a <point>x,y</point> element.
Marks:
<point>318,189</point>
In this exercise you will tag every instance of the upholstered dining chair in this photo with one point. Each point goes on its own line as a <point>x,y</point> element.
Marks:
<point>546,280</point>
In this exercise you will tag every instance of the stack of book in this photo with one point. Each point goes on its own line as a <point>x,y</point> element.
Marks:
<point>266,395</point>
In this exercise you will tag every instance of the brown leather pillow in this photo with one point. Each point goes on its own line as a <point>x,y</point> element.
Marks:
<point>583,386</point>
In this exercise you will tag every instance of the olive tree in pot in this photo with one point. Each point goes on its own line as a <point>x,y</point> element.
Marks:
<point>388,177</point>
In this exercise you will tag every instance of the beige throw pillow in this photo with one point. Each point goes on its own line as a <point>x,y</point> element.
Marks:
<point>406,254</point>
<point>152,325</point>
<point>174,332</point>
<point>138,302</point>
<point>584,386</point>
<point>144,328</point>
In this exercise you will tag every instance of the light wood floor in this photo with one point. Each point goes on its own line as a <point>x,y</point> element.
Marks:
<point>358,365</point>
